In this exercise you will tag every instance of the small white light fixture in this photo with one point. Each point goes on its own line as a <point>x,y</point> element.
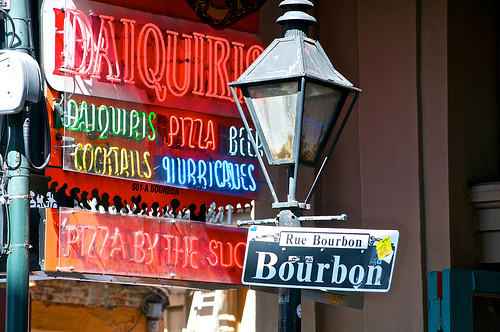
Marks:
<point>21,81</point>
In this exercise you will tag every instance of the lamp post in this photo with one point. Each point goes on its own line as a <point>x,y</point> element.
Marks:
<point>24,82</point>
<point>295,98</point>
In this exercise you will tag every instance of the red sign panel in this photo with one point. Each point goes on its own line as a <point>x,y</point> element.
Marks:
<point>136,246</point>
<point>144,97</point>
<point>107,51</point>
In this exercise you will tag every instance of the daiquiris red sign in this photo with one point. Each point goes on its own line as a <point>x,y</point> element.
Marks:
<point>145,97</point>
<point>96,49</point>
<point>100,243</point>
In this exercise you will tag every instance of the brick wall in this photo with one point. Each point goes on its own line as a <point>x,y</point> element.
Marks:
<point>83,306</point>
<point>88,293</point>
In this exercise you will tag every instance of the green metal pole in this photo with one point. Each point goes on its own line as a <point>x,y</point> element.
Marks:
<point>17,287</point>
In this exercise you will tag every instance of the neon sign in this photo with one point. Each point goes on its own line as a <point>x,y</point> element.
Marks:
<point>240,144</point>
<point>142,54</point>
<point>111,161</point>
<point>146,96</point>
<point>109,121</point>
<point>144,246</point>
<point>215,174</point>
<point>187,132</point>
<point>179,132</point>
<point>175,148</point>
<point>141,247</point>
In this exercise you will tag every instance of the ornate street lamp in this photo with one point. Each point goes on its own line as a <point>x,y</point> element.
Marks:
<point>295,98</point>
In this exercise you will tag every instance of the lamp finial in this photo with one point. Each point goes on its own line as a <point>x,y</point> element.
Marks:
<point>295,19</point>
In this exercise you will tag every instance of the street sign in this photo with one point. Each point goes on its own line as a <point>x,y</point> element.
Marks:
<point>359,260</point>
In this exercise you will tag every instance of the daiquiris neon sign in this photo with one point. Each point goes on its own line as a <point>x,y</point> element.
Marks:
<point>144,53</point>
<point>178,148</point>
<point>146,96</point>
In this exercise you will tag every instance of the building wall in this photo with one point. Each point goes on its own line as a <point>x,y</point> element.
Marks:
<point>88,293</point>
<point>473,116</point>
<point>388,149</point>
<point>65,305</point>
<point>434,134</point>
<point>425,128</point>
<point>56,317</point>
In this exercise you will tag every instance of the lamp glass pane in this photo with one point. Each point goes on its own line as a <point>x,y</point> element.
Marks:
<point>321,107</point>
<point>275,108</point>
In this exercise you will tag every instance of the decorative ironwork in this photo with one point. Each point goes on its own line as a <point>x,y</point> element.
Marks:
<point>220,17</point>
